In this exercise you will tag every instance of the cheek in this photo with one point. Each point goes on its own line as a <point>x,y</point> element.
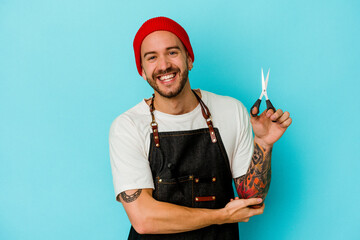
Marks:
<point>148,69</point>
<point>181,65</point>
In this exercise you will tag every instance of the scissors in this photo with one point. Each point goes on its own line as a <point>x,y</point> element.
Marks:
<point>264,84</point>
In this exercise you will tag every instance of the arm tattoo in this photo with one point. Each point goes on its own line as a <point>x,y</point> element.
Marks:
<point>256,182</point>
<point>130,198</point>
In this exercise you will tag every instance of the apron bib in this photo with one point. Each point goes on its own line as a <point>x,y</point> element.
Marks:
<point>191,168</point>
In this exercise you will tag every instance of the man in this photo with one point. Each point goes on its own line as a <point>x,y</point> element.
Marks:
<point>174,156</point>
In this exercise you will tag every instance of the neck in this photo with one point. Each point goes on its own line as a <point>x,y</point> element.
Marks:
<point>184,102</point>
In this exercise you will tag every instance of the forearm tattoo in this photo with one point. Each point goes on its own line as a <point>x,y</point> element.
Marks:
<point>256,182</point>
<point>130,198</point>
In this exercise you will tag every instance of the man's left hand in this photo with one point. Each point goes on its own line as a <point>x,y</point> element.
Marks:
<point>269,126</point>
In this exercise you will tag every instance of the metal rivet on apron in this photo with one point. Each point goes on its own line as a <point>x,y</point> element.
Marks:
<point>156,137</point>
<point>196,199</point>
<point>170,165</point>
<point>154,130</point>
<point>213,197</point>
<point>160,180</point>
<point>191,177</point>
<point>196,180</point>
<point>214,179</point>
<point>214,140</point>
<point>157,144</point>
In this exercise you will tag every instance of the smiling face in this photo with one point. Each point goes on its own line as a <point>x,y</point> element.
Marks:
<point>165,63</point>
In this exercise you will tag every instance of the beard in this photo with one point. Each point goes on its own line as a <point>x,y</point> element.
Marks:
<point>183,79</point>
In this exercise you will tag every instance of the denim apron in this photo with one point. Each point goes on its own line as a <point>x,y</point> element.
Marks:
<point>191,168</point>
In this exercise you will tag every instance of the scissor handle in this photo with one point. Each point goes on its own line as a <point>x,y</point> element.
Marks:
<point>256,104</point>
<point>269,105</point>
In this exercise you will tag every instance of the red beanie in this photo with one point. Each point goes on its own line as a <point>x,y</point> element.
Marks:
<point>158,24</point>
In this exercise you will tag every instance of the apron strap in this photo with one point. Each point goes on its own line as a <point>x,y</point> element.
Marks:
<point>205,112</point>
<point>153,123</point>
<point>207,115</point>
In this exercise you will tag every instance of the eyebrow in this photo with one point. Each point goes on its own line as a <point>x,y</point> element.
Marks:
<point>176,47</point>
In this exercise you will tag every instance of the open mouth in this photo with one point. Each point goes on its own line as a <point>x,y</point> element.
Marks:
<point>167,78</point>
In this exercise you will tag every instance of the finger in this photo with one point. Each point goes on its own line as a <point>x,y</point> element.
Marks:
<point>255,110</point>
<point>284,117</point>
<point>252,201</point>
<point>256,206</point>
<point>236,198</point>
<point>245,219</point>
<point>257,211</point>
<point>260,210</point>
<point>276,115</point>
<point>286,123</point>
<point>269,113</point>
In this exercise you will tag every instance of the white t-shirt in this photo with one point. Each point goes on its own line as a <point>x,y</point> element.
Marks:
<point>129,138</point>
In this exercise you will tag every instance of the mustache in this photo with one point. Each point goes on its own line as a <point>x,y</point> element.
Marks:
<point>161,72</point>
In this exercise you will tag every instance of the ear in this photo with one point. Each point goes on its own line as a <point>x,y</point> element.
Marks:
<point>190,63</point>
<point>143,73</point>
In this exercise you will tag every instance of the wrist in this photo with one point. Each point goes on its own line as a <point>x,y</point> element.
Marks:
<point>262,143</point>
<point>222,216</point>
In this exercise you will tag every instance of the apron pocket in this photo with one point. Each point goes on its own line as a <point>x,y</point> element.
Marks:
<point>178,191</point>
<point>205,189</point>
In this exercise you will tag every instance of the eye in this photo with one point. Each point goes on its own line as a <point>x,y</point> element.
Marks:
<point>172,53</point>
<point>151,58</point>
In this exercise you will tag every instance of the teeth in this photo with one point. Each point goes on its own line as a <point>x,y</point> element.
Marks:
<point>166,77</point>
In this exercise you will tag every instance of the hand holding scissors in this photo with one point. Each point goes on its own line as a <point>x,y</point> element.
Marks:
<point>270,125</point>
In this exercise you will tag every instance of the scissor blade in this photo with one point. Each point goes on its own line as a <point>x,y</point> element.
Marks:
<point>267,79</point>
<point>262,80</point>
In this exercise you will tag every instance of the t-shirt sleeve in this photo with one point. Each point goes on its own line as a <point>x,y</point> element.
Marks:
<point>244,143</point>
<point>129,164</point>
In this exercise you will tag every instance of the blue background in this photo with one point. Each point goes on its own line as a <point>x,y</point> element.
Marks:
<point>67,70</point>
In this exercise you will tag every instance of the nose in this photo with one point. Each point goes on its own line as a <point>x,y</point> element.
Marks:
<point>163,63</point>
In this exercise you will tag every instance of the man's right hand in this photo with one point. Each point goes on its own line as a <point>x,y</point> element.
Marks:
<point>239,210</point>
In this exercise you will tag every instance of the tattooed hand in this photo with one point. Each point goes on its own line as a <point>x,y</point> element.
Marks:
<point>269,126</point>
